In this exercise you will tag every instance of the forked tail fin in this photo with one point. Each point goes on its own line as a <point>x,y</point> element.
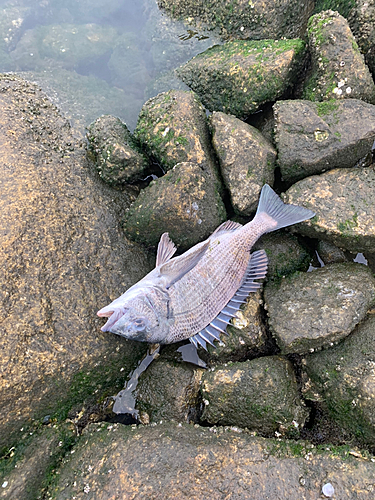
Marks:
<point>285,215</point>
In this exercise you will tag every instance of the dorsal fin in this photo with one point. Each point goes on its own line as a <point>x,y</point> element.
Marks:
<point>166,249</point>
<point>256,269</point>
<point>176,268</point>
<point>226,227</point>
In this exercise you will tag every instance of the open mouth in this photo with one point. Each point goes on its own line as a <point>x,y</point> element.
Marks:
<point>113,317</point>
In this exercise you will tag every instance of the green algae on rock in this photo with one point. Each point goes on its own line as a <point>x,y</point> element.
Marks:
<point>239,76</point>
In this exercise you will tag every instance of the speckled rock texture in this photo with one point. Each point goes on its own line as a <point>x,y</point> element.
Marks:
<point>310,310</point>
<point>343,200</point>
<point>24,471</point>
<point>260,395</point>
<point>362,23</point>
<point>118,159</point>
<point>238,77</point>
<point>183,203</point>
<point>254,20</point>
<point>338,68</point>
<point>314,137</point>
<point>330,253</point>
<point>62,257</point>
<point>183,461</point>
<point>246,158</point>
<point>343,379</point>
<point>169,390</point>
<point>172,127</point>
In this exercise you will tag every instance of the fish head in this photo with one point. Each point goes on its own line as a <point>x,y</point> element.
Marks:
<point>132,318</point>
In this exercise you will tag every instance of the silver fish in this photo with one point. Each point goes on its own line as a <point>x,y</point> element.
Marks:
<point>195,295</point>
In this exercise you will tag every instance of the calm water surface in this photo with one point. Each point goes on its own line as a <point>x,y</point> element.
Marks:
<point>96,57</point>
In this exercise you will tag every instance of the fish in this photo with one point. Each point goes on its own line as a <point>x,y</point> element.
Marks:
<point>195,295</point>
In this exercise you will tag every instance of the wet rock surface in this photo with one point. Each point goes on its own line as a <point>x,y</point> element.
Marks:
<point>259,395</point>
<point>309,310</point>
<point>338,68</point>
<point>62,257</point>
<point>343,202</point>
<point>343,379</point>
<point>314,137</point>
<point>118,158</point>
<point>330,253</point>
<point>239,76</point>
<point>255,20</point>
<point>254,467</point>
<point>247,160</point>
<point>183,203</point>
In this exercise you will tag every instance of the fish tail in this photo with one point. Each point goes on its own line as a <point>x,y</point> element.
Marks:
<point>282,214</point>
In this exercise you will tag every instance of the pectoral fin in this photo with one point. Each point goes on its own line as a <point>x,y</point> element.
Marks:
<point>166,250</point>
<point>176,268</point>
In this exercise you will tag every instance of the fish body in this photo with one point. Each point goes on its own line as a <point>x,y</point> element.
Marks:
<point>194,296</point>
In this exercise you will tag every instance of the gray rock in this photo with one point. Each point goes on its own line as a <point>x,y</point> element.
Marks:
<point>338,68</point>
<point>343,202</point>
<point>330,253</point>
<point>310,310</point>
<point>285,254</point>
<point>343,379</point>
<point>185,461</point>
<point>314,137</point>
<point>244,19</point>
<point>173,128</point>
<point>260,394</point>
<point>247,160</point>
<point>240,76</point>
<point>62,258</point>
<point>183,203</point>
<point>169,390</point>
<point>118,159</point>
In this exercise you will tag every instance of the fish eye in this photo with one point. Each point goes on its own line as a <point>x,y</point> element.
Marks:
<point>139,324</point>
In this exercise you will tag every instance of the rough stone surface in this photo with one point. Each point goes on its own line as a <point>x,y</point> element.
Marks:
<point>338,68</point>
<point>362,23</point>
<point>239,76</point>
<point>330,253</point>
<point>25,469</point>
<point>173,128</point>
<point>184,461</point>
<point>246,158</point>
<point>260,394</point>
<point>243,19</point>
<point>118,158</point>
<point>285,254</point>
<point>62,257</point>
<point>314,137</point>
<point>183,203</point>
<point>343,378</point>
<point>169,391</point>
<point>343,202</point>
<point>310,310</point>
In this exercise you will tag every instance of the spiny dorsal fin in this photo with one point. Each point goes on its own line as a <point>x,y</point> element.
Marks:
<point>226,226</point>
<point>166,249</point>
<point>176,268</point>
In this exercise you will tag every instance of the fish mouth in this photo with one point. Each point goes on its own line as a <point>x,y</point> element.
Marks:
<point>104,314</point>
<point>113,317</point>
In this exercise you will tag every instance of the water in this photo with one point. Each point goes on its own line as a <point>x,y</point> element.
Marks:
<point>96,57</point>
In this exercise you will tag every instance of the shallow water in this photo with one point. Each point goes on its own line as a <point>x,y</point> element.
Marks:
<point>96,57</point>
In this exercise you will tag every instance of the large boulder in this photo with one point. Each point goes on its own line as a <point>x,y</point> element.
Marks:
<point>240,76</point>
<point>62,257</point>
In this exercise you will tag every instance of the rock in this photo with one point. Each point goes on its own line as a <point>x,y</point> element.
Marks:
<point>247,337</point>
<point>310,310</point>
<point>247,160</point>
<point>343,378</point>
<point>330,253</point>
<point>173,129</point>
<point>117,155</point>
<point>183,203</point>
<point>285,254</point>
<point>26,468</point>
<point>338,68</point>
<point>144,462</point>
<point>314,137</point>
<point>169,391</point>
<point>62,257</point>
<point>343,202</point>
<point>260,394</point>
<point>238,77</point>
<point>254,20</point>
